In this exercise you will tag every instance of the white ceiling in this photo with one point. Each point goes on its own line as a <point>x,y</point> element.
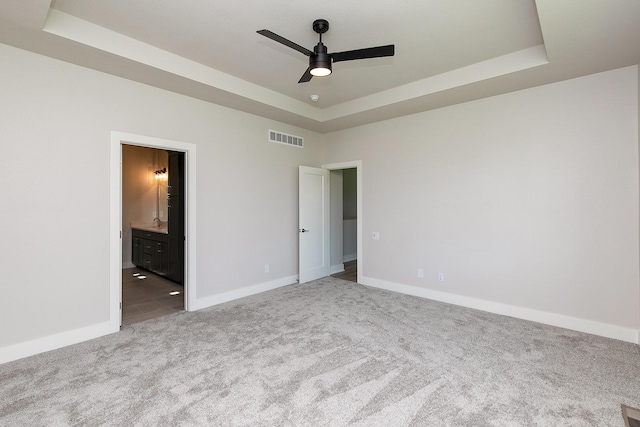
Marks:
<point>447,51</point>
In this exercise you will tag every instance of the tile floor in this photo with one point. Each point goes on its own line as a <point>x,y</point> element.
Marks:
<point>148,298</point>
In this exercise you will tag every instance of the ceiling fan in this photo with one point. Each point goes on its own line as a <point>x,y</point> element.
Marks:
<point>319,60</point>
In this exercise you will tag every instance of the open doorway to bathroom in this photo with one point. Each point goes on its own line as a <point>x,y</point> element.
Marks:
<point>152,233</point>
<point>116,228</point>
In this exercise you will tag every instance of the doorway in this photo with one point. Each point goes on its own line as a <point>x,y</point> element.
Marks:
<point>188,150</point>
<point>153,233</point>
<point>336,221</point>
<point>344,218</point>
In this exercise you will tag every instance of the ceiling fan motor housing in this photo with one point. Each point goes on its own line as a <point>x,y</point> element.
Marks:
<point>320,57</point>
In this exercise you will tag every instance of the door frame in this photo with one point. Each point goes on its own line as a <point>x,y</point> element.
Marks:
<point>115,218</point>
<point>357,164</point>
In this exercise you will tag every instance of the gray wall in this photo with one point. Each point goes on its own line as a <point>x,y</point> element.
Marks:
<point>527,202</point>
<point>350,194</point>
<point>56,120</point>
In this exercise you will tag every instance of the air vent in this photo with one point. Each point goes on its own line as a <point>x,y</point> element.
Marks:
<point>283,138</point>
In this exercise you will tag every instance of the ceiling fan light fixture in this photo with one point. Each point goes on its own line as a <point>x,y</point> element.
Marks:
<point>321,71</point>
<point>320,61</point>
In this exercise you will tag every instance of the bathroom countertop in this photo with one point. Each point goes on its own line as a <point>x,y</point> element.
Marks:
<point>162,228</point>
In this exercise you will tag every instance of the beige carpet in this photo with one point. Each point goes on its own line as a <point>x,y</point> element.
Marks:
<point>328,353</point>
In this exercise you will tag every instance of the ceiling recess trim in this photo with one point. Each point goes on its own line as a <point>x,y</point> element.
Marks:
<point>71,28</point>
<point>517,61</point>
<point>80,31</point>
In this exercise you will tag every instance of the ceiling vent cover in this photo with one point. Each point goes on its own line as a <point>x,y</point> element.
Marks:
<point>283,138</point>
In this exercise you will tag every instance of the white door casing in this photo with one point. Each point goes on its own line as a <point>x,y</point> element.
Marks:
<point>115,218</point>
<point>313,224</point>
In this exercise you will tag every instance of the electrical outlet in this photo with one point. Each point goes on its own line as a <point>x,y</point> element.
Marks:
<point>420,273</point>
<point>266,268</point>
<point>440,277</point>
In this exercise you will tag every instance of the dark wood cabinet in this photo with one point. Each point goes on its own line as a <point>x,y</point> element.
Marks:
<point>135,250</point>
<point>175,205</point>
<point>160,257</point>
<point>150,250</point>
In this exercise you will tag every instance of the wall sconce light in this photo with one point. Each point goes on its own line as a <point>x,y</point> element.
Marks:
<point>160,173</point>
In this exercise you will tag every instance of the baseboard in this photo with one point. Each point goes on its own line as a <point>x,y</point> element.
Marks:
<point>128,264</point>
<point>338,268</point>
<point>52,342</point>
<point>562,321</point>
<point>350,257</point>
<point>244,292</point>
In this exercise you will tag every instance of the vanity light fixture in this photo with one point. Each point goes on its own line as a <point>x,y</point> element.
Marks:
<point>160,173</point>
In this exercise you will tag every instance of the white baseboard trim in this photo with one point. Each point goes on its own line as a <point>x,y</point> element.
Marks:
<point>52,342</point>
<point>562,321</point>
<point>244,292</point>
<point>350,257</point>
<point>128,264</point>
<point>338,268</point>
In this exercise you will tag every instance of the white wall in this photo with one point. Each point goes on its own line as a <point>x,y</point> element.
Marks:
<point>55,124</point>
<point>350,216</point>
<point>336,208</point>
<point>527,202</point>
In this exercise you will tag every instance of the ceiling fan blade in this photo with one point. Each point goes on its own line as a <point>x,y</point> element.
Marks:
<point>306,76</point>
<point>370,52</point>
<point>288,43</point>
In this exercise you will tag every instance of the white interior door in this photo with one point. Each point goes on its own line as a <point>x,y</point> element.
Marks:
<point>313,224</point>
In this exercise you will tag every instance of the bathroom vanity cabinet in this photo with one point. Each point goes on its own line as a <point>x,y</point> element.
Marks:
<point>150,250</point>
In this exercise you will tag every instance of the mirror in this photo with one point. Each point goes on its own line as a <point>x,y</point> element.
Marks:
<point>162,180</point>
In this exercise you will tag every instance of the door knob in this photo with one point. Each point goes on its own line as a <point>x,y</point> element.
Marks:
<point>303,230</point>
